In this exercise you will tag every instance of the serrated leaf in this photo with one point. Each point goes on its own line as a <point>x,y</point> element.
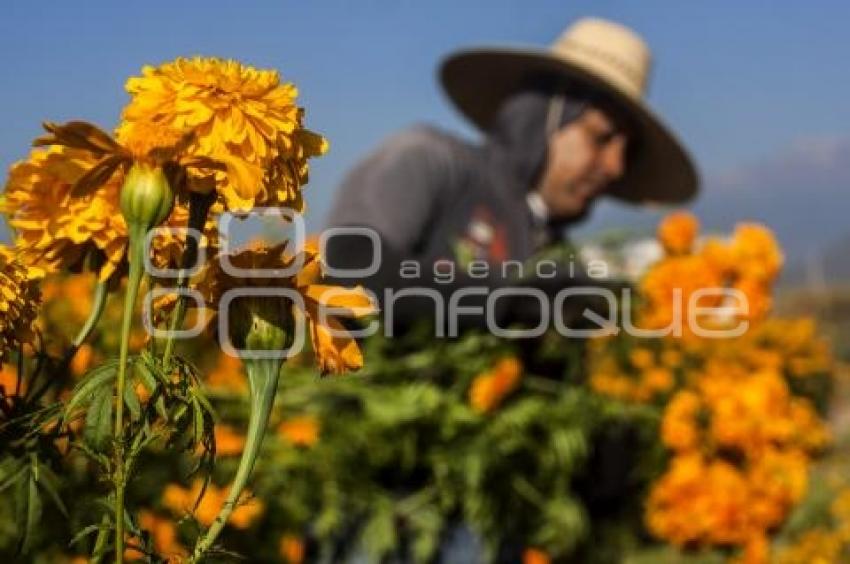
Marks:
<point>143,374</point>
<point>132,403</point>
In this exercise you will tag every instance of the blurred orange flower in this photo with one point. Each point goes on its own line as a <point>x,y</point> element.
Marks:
<point>677,232</point>
<point>292,549</point>
<point>535,556</point>
<point>490,388</point>
<point>300,431</point>
<point>181,500</point>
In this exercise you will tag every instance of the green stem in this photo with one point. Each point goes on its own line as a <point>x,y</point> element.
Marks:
<point>100,542</point>
<point>263,376</point>
<point>101,291</point>
<point>199,208</point>
<point>137,237</point>
<point>175,322</point>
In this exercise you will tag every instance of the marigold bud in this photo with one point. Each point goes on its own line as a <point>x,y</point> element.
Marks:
<point>263,323</point>
<point>146,197</point>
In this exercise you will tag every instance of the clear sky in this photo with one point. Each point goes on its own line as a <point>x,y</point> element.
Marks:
<point>739,81</point>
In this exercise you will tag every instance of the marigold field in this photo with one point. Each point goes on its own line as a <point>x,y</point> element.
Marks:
<point>121,443</point>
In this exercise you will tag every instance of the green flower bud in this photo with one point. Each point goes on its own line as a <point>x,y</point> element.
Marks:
<point>261,323</point>
<point>146,197</point>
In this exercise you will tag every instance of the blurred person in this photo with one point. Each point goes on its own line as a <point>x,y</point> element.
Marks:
<point>561,128</point>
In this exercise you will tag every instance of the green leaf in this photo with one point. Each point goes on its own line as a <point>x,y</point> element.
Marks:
<point>29,509</point>
<point>98,428</point>
<point>11,476</point>
<point>132,403</point>
<point>197,422</point>
<point>83,533</point>
<point>89,387</point>
<point>379,534</point>
<point>48,482</point>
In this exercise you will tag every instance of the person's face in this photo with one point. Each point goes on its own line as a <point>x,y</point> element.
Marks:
<point>585,157</point>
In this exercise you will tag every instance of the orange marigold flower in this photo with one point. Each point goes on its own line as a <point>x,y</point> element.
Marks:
<point>679,429</point>
<point>535,556</point>
<point>489,389</point>
<point>19,302</point>
<point>300,431</point>
<point>228,442</point>
<point>54,229</point>
<point>242,117</point>
<point>677,232</point>
<point>82,359</point>
<point>9,381</point>
<point>335,349</point>
<point>756,252</point>
<point>292,549</point>
<point>181,500</point>
<point>164,534</point>
<point>641,358</point>
<point>227,375</point>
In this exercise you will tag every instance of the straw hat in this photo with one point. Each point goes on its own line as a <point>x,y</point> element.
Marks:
<point>603,55</point>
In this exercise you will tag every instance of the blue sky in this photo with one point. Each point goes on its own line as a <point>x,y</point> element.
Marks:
<point>740,82</point>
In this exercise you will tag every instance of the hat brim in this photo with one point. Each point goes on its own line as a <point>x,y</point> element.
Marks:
<point>479,80</point>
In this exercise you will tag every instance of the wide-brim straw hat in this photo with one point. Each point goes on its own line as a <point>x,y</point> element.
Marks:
<point>605,56</point>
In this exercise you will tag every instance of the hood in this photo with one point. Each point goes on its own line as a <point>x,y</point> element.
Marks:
<point>518,139</point>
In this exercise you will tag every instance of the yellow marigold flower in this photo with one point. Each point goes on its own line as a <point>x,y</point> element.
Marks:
<point>489,389</point>
<point>169,242</point>
<point>292,549</point>
<point>54,229</point>
<point>64,202</point>
<point>241,116</point>
<point>336,351</point>
<point>300,431</point>
<point>757,253</point>
<point>677,232</point>
<point>19,302</point>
